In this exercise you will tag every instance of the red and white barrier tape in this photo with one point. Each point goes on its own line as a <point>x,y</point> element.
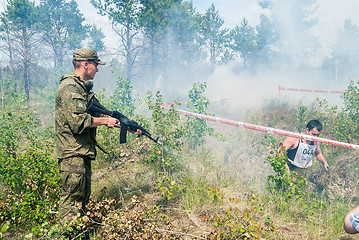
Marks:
<point>261,128</point>
<point>308,90</point>
<point>174,103</point>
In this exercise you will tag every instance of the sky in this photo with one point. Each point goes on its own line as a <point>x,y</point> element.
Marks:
<point>331,15</point>
<point>232,11</point>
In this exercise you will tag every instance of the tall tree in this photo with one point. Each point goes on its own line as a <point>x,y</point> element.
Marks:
<point>293,22</point>
<point>266,40</point>
<point>19,21</point>
<point>96,38</point>
<point>7,44</point>
<point>183,37</point>
<point>155,17</point>
<point>62,26</point>
<point>345,53</point>
<point>124,17</point>
<point>244,40</point>
<point>214,34</point>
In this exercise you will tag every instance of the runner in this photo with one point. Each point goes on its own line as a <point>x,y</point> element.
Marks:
<point>300,152</point>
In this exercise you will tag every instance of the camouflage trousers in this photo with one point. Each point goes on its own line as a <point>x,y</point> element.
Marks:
<point>75,174</point>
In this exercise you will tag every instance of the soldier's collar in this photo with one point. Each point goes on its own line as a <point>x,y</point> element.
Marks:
<point>88,85</point>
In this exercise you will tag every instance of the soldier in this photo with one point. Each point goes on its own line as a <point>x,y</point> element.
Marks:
<point>76,130</point>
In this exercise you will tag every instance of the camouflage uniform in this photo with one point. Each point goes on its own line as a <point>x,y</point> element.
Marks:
<point>75,142</point>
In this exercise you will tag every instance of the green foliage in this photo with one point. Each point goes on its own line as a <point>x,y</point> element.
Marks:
<point>11,133</point>
<point>76,227</point>
<point>265,39</point>
<point>96,38</point>
<point>184,25</point>
<point>123,102</point>
<point>341,123</point>
<point>122,99</point>
<point>269,140</point>
<point>216,194</point>
<point>170,23</point>
<point>351,110</point>
<point>61,25</point>
<point>195,193</point>
<point>11,97</point>
<point>286,188</point>
<point>31,182</point>
<point>155,17</point>
<point>124,17</point>
<point>20,14</point>
<point>56,74</point>
<point>169,187</point>
<point>336,123</point>
<point>197,128</point>
<point>19,19</point>
<point>166,126</point>
<point>213,33</point>
<point>284,185</point>
<point>240,224</point>
<point>244,40</point>
<point>302,117</point>
<point>28,173</point>
<point>121,12</point>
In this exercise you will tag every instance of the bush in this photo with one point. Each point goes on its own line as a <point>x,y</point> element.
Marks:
<point>28,176</point>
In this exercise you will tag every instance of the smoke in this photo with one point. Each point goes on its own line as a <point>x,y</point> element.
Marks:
<point>304,45</point>
<point>235,93</point>
<point>331,16</point>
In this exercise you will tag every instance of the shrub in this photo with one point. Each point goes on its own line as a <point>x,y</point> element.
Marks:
<point>197,128</point>
<point>28,173</point>
<point>167,127</point>
<point>235,223</point>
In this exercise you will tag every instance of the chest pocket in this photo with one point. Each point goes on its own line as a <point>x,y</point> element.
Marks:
<point>80,103</point>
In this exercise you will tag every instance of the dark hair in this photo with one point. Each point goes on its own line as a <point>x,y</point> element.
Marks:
<point>314,124</point>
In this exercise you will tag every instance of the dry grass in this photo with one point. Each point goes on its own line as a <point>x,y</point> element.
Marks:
<point>239,166</point>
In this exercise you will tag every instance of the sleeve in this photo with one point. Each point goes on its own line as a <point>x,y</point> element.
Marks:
<point>75,110</point>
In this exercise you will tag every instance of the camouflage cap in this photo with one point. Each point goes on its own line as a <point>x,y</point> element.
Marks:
<point>86,54</point>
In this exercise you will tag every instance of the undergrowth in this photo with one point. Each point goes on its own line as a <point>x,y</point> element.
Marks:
<point>139,185</point>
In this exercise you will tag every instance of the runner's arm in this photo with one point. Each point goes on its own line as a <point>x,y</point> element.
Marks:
<point>321,158</point>
<point>287,144</point>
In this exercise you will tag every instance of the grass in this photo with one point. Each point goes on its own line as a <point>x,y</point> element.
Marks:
<point>238,168</point>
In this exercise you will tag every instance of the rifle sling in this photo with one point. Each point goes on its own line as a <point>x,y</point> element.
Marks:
<point>92,139</point>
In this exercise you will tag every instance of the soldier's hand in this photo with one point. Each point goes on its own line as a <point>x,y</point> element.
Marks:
<point>138,132</point>
<point>111,122</point>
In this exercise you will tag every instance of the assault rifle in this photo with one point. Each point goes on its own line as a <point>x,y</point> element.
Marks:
<point>125,123</point>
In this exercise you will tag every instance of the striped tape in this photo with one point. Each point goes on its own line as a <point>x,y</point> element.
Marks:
<point>280,88</point>
<point>261,128</point>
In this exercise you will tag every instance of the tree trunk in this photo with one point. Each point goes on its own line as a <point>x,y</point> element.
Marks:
<point>2,90</point>
<point>26,64</point>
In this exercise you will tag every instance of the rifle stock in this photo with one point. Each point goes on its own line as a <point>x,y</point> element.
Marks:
<point>126,123</point>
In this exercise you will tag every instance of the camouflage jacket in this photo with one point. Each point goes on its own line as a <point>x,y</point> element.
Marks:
<point>72,121</point>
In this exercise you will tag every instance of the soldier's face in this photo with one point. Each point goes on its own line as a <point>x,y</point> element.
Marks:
<point>91,70</point>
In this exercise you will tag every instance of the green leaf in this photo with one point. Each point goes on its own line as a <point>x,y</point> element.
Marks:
<point>29,236</point>
<point>4,228</point>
